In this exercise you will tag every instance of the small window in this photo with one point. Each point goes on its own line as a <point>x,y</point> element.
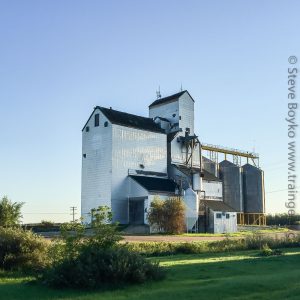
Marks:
<point>219,216</point>
<point>84,155</point>
<point>142,166</point>
<point>96,120</point>
<point>174,115</point>
<point>227,216</point>
<point>105,124</point>
<point>87,128</point>
<point>179,117</point>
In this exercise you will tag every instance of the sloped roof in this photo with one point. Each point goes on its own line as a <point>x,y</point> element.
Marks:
<point>209,176</point>
<point>217,205</point>
<point>156,184</point>
<point>128,120</point>
<point>169,98</point>
<point>205,175</point>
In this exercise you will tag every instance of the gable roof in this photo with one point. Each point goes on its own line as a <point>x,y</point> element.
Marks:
<point>128,120</point>
<point>155,184</point>
<point>169,98</point>
<point>217,205</point>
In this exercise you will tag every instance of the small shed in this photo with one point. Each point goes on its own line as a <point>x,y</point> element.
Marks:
<point>220,218</point>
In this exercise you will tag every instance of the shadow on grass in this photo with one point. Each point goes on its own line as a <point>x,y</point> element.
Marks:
<point>244,276</point>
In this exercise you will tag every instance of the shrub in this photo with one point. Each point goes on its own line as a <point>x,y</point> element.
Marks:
<point>98,260</point>
<point>267,251</point>
<point>168,215</point>
<point>22,250</point>
<point>97,267</point>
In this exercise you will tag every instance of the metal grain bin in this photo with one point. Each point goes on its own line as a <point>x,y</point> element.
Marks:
<point>253,189</point>
<point>231,176</point>
<point>209,166</point>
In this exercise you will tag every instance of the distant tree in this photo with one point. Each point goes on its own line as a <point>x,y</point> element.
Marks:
<point>47,223</point>
<point>10,212</point>
<point>167,215</point>
<point>282,219</point>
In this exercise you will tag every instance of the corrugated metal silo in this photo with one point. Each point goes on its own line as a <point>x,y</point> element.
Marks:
<point>231,176</point>
<point>253,189</point>
<point>209,166</point>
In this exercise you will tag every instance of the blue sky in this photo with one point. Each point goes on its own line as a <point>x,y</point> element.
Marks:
<point>58,59</point>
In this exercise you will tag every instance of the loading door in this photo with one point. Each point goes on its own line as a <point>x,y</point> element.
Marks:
<point>136,212</point>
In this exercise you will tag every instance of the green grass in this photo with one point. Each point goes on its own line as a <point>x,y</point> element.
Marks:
<point>238,275</point>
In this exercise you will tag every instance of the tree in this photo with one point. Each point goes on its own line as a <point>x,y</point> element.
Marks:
<point>10,212</point>
<point>168,216</point>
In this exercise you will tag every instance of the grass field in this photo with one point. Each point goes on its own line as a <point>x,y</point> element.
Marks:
<point>241,233</point>
<point>239,275</point>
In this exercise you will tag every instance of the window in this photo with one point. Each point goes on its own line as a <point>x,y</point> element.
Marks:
<point>227,216</point>
<point>87,129</point>
<point>96,120</point>
<point>105,124</point>
<point>84,155</point>
<point>174,115</point>
<point>219,216</point>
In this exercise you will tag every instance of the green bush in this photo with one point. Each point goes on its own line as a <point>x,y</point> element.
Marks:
<point>167,215</point>
<point>97,267</point>
<point>22,250</point>
<point>98,260</point>
<point>267,251</point>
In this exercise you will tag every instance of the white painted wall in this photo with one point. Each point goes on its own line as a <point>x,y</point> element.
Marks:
<point>213,189</point>
<point>130,148</point>
<point>183,108</point>
<point>97,166</point>
<point>224,224</point>
<point>166,111</point>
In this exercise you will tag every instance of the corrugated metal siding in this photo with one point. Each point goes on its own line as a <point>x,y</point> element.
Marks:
<point>184,107</point>
<point>132,147</point>
<point>96,167</point>
<point>186,111</point>
<point>231,176</point>
<point>253,189</point>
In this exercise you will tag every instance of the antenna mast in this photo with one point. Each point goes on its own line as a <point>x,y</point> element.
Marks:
<point>158,95</point>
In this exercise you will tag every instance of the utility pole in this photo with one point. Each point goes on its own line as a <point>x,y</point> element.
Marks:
<point>73,212</point>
